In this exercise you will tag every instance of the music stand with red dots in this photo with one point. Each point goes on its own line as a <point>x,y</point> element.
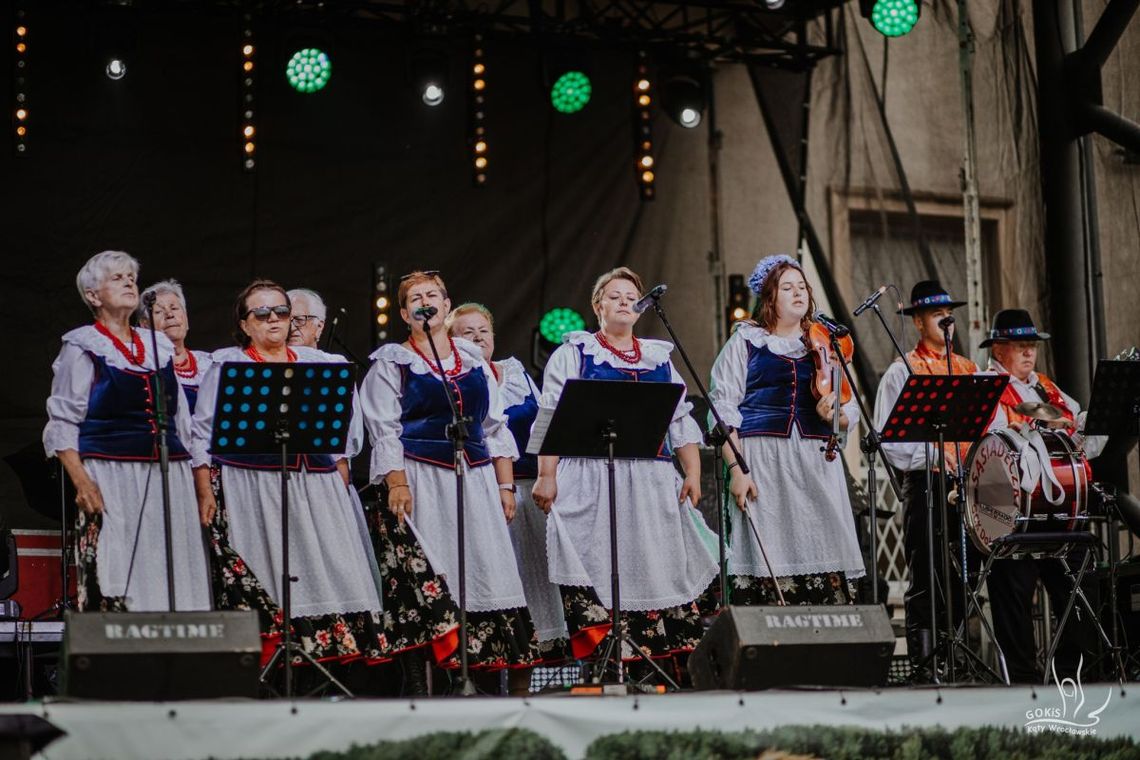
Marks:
<point>944,409</point>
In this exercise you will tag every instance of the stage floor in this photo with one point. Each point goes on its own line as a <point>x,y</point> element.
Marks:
<point>271,729</point>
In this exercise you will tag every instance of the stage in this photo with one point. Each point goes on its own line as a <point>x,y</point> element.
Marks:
<point>271,729</point>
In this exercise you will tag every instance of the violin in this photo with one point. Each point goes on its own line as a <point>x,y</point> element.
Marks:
<point>829,377</point>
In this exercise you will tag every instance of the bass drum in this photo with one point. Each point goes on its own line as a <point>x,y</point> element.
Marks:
<point>997,506</point>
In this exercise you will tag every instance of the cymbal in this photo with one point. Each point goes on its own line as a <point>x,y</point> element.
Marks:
<point>1039,410</point>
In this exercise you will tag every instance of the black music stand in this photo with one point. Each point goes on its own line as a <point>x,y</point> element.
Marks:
<point>940,409</point>
<point>282,409</point>
<point>612,419</point>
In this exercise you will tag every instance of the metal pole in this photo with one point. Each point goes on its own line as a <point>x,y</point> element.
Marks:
<point>716,261</point>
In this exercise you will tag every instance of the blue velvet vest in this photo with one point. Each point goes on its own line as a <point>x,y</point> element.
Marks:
<point>662,373</point>
<point>191,392</point>
<point>520,417</point>
<point>120,422</point>
<point>777,394</point>
<point>426,415</point>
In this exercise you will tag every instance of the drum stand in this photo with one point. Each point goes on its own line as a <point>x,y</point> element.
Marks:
<point>1058,546</point>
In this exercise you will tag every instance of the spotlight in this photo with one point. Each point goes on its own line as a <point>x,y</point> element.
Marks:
<point>738,295</point>
<point>381,304</point>
<point>308,70</point>
<point>548,335</point>
<point>432,95</point>
<point>116,68</point>
<point>248,90</point>
<point>774,5</point>
<point>683,97</point>
<point>476,113</point>
<point>571,92</point>
<point>891,18</point>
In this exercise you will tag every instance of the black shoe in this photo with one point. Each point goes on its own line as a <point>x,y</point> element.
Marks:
<point>415,674</point>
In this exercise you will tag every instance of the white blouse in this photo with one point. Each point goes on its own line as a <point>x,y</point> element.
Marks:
<point>74,372</point>
<point>517,383</point>
<point>382,390</point>
<point>565,364</point>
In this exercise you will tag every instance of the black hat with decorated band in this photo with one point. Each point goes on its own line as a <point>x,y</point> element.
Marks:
<point>1012,325</point>
<point>929,294</point>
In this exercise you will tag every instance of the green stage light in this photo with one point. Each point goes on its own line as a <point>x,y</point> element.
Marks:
<point>894,18</point>
<point>557,322</point>
<point>571,92</point>
<point>308,70</point>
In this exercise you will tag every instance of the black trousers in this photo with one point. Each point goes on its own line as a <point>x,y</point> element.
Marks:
<point>1011,584</point>
<point>916,600</point>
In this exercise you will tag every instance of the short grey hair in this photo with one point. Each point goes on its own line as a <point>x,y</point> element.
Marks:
<point>163,286</point>
<point>316,303</point>
<point>98,267</point>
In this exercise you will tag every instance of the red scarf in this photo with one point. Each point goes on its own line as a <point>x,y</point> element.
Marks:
<point>1011,398</point>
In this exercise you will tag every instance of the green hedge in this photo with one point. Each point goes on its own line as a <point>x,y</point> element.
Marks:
<point>495,744</point>
<point>836,743</point>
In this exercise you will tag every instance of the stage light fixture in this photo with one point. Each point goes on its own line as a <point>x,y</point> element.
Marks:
<point>557,322</point>
<point>433,95</point>
<point>738,297</point>
<point>476,113</point>
<point>571,92</point>
<point>891,18</point>
<point>429,71</point>
<point>248,92</point>
<point>683,97</point>
<point>643,97</point>
<point>308,70</point>
<point>381,304</point>
<point>116,68</point>
<point>20,84</point>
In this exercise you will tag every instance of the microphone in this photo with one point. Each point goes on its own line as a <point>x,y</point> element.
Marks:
<point>648,299</point>
<point>945,322</point>
<point>425,313</point>
<point>328,336</point>
<point>871,299</point>
<point>149,300</point>
<point>834,327</point>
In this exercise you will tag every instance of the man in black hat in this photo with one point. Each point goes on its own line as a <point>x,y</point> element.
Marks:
<point>1013,341</point>
<point>929,309</point>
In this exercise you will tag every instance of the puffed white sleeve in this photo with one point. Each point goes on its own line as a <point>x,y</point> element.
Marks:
<point>72,374</point>
<point>355,429</point>
<point>683,429</point>
<point>380,402</point>
<point>851,409</point>
<point>202,425</point>
<point>728,380</point>
<point>183,422</point>
<point>496,432</point>
<point>563,365</point>
<point>904,456</point>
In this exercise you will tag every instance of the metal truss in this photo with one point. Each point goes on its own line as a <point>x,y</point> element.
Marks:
<point>707,30</point>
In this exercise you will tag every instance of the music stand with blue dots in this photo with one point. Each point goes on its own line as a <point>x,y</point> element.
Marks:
<point>285,409</point>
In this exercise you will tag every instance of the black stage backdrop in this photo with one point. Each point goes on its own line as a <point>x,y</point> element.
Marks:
<point>360,172</point>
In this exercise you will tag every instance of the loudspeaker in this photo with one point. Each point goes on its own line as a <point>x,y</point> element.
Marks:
<point>750,648</point>
<point>161,656</point>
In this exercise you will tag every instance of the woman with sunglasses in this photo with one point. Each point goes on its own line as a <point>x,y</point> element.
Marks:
<point>336,608</point>
<point>407,414</point>
<point>663,560</point>
<point>103,428</point>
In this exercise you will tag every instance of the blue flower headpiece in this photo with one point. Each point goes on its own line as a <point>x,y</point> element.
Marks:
<point>765,267</point>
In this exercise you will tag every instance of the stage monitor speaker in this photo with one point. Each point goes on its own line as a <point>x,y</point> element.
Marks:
<point>161,656</point>
<point>749,648</point>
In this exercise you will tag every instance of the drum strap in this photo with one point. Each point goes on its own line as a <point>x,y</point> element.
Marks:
<point>1036,467</point>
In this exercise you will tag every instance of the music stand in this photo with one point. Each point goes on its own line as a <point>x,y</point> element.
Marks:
<point>938,409</point>
<point>611,419</point>
<point>282,409</point>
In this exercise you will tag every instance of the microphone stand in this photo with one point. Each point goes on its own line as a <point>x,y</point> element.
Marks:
<point>161,424</point>
<point>716,437</point>
<point>331,337</point>
<point>457,434</point>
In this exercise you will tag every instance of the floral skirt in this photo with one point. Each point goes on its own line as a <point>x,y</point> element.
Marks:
<point>341,638</point>
<point>89,597</point>
<point>813,589</point>
<point>662,633</point>
<point>420,612</point>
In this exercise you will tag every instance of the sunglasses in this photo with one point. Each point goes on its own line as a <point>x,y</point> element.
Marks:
<point>261,313</point>
<point>424,273</point>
